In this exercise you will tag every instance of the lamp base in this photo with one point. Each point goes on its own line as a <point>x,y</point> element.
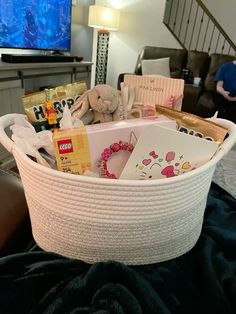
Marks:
<point>102,56</point>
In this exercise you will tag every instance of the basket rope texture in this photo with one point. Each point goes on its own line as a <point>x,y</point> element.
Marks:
<point>134,222</point>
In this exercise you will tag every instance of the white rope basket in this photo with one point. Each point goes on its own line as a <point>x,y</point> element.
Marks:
<point>131,221</point>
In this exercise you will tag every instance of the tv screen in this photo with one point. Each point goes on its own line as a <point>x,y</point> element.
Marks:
<point>35,24</point>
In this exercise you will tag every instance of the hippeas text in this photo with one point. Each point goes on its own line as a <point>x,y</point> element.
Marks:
<point>39,110</point>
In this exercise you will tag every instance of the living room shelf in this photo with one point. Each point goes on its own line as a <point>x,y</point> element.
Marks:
<point>22,71</point>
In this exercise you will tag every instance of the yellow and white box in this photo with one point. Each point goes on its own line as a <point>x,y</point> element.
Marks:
<point>72,150</point>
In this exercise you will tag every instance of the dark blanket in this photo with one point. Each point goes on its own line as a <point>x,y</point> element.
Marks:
<point>201,281</point>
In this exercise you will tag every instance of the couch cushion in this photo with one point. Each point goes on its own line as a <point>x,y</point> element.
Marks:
<point>178,58</point>
<point>198,63</point>
<point>216,61</point>
<point>191,96</point>
<point>14,220</point>
<point>156,67</point>
<point>205,106</point>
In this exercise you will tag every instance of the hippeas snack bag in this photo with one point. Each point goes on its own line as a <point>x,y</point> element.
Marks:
<point>34,104</point>
<point>194,125</point>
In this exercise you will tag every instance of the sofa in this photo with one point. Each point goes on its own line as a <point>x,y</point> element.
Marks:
<point>15,228</point>
<point>187,65</point>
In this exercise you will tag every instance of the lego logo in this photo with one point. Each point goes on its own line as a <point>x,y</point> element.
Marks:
<point>65,146</point>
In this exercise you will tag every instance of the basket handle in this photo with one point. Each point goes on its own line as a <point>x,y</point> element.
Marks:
<point>230,140</point>
<point>6,121</point>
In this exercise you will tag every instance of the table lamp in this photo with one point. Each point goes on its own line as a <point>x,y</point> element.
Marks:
<point>105,19</point>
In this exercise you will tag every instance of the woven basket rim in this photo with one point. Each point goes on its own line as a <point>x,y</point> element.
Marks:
<point>223,149</point>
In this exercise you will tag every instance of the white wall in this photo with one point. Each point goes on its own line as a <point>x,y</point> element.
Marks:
<point>225,13</point>
<point>81,34</point>
<point>140,25</point>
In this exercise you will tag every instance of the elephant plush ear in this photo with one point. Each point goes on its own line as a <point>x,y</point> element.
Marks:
<point>88,117</point>
<point>103,99</point>
<point>119,113</point>
<point>80,107</point>
<point>101,117</point>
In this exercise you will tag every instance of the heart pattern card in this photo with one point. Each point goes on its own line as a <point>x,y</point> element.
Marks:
<point>164,153</point>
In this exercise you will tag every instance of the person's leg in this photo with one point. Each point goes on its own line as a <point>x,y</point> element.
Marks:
<point>221,105</point>
<point>231,111</point>
<point>226,109</point>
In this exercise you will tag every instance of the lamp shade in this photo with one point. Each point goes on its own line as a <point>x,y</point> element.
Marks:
<point>103,17</point>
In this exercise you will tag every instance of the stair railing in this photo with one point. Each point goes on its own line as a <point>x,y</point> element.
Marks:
<point>195,28</point>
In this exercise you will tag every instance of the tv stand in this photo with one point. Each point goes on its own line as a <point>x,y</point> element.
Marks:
<point>16,58</point>
<point>22,71</point>
<point>57,52</point>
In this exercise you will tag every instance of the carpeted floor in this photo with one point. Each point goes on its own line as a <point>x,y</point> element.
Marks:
<point>225,174</point>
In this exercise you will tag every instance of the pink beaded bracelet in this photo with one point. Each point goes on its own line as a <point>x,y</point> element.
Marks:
<point>107,153</point>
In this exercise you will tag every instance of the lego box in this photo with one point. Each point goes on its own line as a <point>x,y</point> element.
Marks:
<point>72,150</point>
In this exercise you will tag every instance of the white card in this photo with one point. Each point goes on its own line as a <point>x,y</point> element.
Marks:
<point>163,153</point>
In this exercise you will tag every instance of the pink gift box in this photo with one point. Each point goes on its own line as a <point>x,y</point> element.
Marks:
<point>101,136</point>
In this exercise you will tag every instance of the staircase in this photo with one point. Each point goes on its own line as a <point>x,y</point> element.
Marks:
<point>195,28</point>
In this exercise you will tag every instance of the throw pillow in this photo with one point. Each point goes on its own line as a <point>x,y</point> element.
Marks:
<point>156,67</point>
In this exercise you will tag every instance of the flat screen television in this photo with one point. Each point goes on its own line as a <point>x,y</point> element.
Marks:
<point>35,24</point>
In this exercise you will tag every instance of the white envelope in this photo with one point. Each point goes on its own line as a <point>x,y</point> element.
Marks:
<point>161,153</point>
